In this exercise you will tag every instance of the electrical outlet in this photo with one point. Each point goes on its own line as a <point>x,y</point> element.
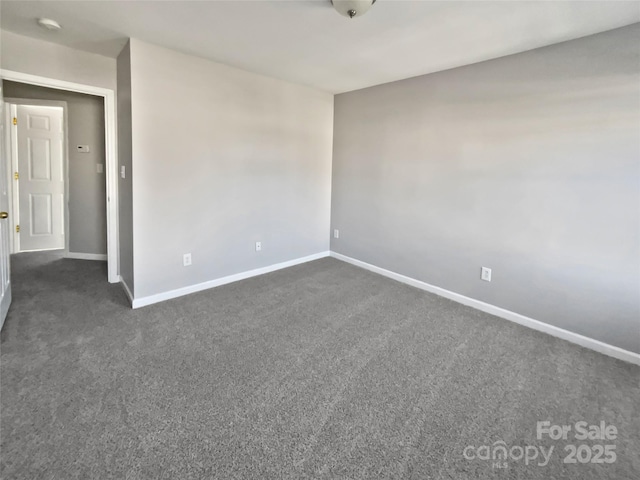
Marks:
<point>99,168</point>
<point>485,274</point>
<point>123,171</point>
<point>258,246</point>
<point>186,259</point>
<point>336,233</point>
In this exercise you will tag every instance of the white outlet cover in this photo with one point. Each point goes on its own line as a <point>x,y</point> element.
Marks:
<point>485,274</point>
<point>336,233</point>
<point>99,168</point>
<point>186,259</point>
<point>258,246</point>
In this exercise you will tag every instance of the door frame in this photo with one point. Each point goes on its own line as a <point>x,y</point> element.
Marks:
<point>5,272</point>
<point>13,103</point>
<point>111,160</point>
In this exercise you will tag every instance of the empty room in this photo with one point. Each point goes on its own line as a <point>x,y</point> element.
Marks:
<point>319,239</point>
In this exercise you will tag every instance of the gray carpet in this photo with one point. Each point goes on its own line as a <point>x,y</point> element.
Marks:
<point>318,371</point>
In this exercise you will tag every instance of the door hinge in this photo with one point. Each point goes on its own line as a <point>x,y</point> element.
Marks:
<point>16,176</point>
<point>17,228</point>
<point>15,121</point>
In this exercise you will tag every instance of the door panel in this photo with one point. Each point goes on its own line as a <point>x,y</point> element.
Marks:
<point>41,177</point>
<point>39,153</point>
<point>41,213</point>
<point>39,122</point>
<point>5,224</point>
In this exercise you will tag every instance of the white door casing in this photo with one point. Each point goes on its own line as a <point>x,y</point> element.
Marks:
<point>41,186</point>
<point>111,152</point>
<point>5,223</point>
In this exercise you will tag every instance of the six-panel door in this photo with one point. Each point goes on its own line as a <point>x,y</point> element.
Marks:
<point>41,177</point>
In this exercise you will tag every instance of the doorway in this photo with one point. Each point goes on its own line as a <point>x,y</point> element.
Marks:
<point>39,164</point>
<point>85,207</point>
<point>110,167</point>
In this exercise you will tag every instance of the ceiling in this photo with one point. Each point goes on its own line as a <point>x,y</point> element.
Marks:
<point>307,42</point>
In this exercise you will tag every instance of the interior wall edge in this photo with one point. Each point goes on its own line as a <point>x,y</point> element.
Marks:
<point>127,290</point>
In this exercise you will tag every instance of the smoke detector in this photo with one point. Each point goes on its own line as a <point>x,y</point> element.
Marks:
<point>49,24</point>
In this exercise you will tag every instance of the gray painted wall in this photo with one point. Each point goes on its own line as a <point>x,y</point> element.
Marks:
<point>87,187</point>
<point>125,193</point>
<point>223,158</point>
<point>528,164</point>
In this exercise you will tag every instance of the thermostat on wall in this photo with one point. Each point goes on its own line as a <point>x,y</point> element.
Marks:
<point>83,148</point>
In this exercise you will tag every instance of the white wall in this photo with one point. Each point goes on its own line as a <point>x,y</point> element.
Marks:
<point>223,158</point>
<point>36,57</point>
<point>527,164</point>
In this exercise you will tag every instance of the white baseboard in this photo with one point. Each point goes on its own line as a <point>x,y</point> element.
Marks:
<point>87,256</point>
<point>160,297</point>
<point>126,289</point>
<point>572,337</point>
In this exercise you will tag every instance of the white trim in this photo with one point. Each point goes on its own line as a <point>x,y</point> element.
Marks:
<point>13,161</point>
<point>61,250</point>
<point>126,289</point>
<point>160,297</point>
<point>111,167</point>
<point>86,256</point>
<point>590,343</point>
<point>8,153</point>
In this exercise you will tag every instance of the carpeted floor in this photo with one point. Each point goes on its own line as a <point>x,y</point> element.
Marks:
<point>318,371</point>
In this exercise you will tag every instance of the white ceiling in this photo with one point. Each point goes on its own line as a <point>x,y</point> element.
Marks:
<point>307,42</point>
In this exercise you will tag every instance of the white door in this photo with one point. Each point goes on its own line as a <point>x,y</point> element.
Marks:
<point>5,223</point>
<point>40,177</point>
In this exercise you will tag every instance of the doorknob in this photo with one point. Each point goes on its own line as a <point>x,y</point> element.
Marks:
<point>4,215</point>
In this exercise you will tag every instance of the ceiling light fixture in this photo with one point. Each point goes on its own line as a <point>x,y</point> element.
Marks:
<point>49,24</point>
<point>352,8</point>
